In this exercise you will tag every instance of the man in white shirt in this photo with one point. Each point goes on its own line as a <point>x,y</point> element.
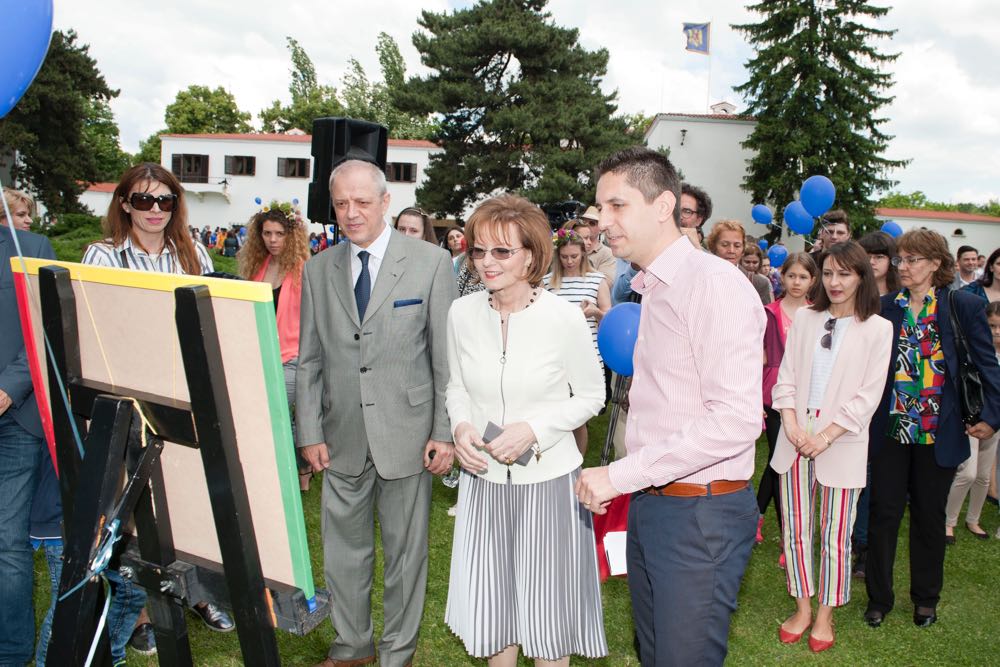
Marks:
<point>968,262</point>
<point>599,254</point>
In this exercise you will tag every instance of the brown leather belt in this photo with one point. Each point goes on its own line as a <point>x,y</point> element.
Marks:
<point>719,487</point>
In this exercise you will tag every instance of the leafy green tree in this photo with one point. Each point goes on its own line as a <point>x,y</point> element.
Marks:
<point>100,134</point>
<point>816,86</point>
<point>310,100</point>
<point>201,110</point>
<point>519,105</point>
<point>49,126</point>
<point>918,200</point>
<point>150,148</point>
<point>375,102</point>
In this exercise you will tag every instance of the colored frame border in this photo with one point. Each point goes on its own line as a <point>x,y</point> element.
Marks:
<point>284,445</point>
<point>243,290</point>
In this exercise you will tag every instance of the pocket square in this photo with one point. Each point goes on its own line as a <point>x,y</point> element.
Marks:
<point>406,302</point>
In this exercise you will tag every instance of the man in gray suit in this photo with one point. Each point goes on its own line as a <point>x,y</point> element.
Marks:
<point>370,411</point>
<point>20,449</point>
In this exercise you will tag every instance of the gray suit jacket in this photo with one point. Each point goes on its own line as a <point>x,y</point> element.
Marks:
<point>15,379</point>
<point>377,385</point>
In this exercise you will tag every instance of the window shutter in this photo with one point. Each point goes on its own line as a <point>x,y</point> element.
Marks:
<point>282,166</point>
<point>229,164</point>
<point>175,164</point>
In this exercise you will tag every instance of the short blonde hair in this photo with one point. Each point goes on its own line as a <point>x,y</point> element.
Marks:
<point>532,225</point>
<point>724,226</point>
<point>12,197</point>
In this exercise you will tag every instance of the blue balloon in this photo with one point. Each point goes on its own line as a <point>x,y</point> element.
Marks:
<point>778,254</point>
<point>26,35</point>
<point>763,244</point>
<point>798,219</point>
<point>617,335</point>
<point>817,195</point>
<point>761,214</point>
<point>892,228</point>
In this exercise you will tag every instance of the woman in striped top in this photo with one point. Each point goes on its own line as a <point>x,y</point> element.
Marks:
<point>147,226</point>
<point>148,231</point>
<point>572,279</point>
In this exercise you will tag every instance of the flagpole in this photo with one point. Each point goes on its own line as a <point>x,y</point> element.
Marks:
<point>708,91</point>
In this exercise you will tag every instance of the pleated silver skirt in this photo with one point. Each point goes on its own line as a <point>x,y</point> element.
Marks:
<point>524,571</point>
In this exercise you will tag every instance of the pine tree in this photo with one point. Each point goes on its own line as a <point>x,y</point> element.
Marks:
<point>816,87</point>
<point>519,103</point>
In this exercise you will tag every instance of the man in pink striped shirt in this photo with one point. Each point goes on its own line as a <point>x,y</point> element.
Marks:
<point>694,417</point>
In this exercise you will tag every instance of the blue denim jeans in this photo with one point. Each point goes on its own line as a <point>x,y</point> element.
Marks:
<point>19,455</point>
<point>54,557</point>
<point>127,601</point>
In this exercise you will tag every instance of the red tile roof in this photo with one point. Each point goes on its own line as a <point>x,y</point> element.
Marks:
<point>101,187</point>
<point>952,216</point>
<point>294,138</point>
<point>720,116</point>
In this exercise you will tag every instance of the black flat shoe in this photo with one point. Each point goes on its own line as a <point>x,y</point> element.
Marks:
<point>982,536</point>
<point>874,618</point>
<point>214,618</point>
<point>949,540</point>
<point>924,617</point>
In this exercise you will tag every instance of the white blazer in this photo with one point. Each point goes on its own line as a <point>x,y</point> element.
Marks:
<point>550,377</point>
<point>852,395</point>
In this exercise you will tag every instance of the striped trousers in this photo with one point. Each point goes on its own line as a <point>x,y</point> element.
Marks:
<point>838,508</point>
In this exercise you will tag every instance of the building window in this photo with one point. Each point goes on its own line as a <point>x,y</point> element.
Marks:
<point>189,167</point>
<point>401,172</point>
<point>241,165</point>
<point>293,167</point>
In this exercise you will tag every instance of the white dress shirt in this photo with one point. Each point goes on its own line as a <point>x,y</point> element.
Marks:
<point>376,253</point>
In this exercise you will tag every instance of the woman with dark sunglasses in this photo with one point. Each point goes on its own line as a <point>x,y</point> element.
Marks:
<point>829,385</point>
<point>147,226</point>
<point>147,230</point>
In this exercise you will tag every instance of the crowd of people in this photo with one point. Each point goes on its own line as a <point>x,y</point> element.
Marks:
<point>406,355</point>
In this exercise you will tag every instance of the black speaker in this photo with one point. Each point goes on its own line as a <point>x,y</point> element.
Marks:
<point>335,140</point>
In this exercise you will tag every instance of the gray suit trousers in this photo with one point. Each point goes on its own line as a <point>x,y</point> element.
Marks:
<point>349,559</point>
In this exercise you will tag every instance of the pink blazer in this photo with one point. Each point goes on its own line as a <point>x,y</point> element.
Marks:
<point>851,398</point>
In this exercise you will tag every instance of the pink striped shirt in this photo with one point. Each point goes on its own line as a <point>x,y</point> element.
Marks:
<point>695,403</point>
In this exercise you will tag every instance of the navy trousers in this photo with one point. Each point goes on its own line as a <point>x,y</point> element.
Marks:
<point>686,558</point>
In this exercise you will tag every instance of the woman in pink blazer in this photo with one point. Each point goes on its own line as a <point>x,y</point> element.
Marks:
<point>829,385</point>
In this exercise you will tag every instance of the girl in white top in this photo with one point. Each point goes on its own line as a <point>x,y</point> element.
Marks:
<point>572,279</point>
<point>521,359</point>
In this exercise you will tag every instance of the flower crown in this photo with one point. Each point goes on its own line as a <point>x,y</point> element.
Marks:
<point>564,236</point>
<point>290,209</point>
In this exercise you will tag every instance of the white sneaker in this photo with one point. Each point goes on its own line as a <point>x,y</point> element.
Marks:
<point>453,510</point>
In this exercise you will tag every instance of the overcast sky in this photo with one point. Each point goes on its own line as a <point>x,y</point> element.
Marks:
<point>945,118</point>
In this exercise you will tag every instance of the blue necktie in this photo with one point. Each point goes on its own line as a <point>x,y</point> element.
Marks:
<point>363,288</point>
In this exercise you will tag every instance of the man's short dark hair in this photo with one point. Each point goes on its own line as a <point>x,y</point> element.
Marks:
<point>700,196</point>
<point>964,249</point>
<point>835,217</point>
<point>647,171</point>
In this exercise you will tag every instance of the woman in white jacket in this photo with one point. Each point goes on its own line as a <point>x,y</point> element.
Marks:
<point>524,567</point>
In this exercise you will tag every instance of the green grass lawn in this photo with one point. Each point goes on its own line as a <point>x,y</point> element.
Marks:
<point>966,634</point>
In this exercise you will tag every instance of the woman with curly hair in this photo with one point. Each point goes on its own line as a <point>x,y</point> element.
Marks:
<point>275,251</point>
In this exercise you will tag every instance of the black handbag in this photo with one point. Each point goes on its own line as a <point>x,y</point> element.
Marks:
<point>970,385</point>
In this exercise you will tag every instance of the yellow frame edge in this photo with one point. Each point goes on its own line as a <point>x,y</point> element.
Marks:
<point>242,290</point>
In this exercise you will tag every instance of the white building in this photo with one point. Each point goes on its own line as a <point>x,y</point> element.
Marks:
<point>223,174</point>
<point>706,149</point>
<point>982,232</point>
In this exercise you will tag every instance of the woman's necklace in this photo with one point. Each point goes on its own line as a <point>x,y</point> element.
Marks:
<point>503,320</point>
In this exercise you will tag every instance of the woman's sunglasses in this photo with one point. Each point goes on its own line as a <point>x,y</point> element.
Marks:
<point>498,253</point>
<point>827,340</point>
<point>143,201</point>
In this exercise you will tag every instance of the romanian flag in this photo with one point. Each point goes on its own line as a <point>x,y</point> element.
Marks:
<point>697,37</point>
